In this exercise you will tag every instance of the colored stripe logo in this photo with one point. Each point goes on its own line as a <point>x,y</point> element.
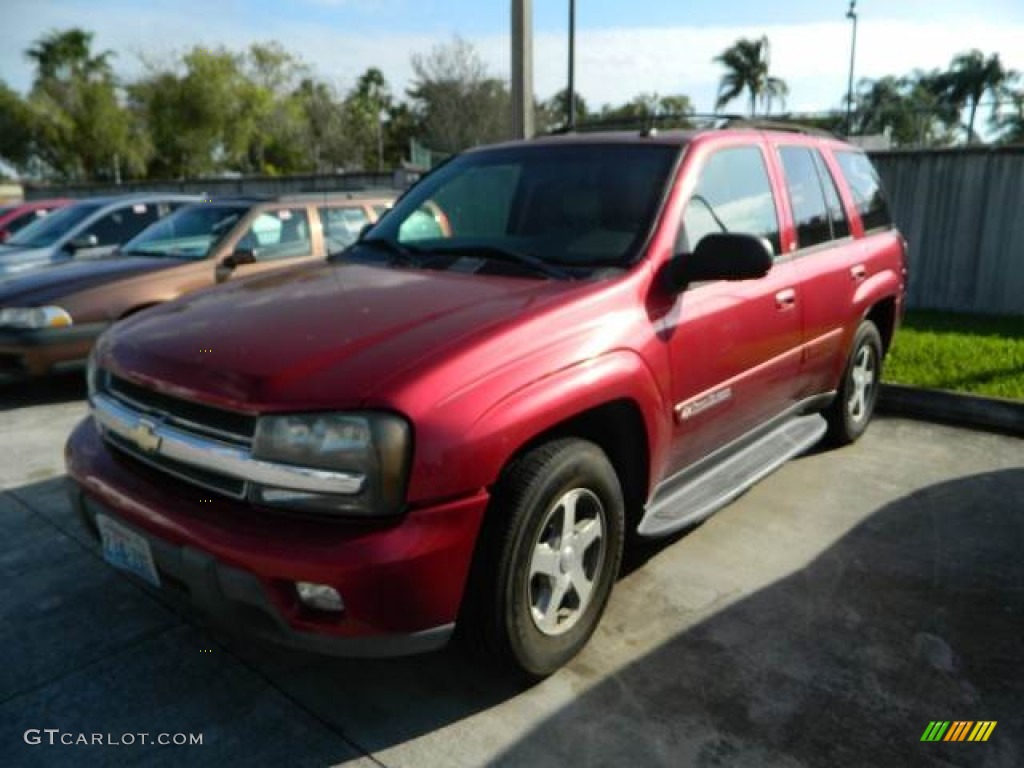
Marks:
<point>958,730</point>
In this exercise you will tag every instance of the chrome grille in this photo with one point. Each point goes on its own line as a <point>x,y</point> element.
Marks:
<point>164,433</point>
<point>212,481</point>
<point>238,428</point>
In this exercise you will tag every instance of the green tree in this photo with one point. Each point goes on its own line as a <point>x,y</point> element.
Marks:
<point>970,77</point>
<point>195,113</point>
<point>1009,123</point>
<point>367,118</point>
<point>910,108</point>
<point>747,69</point>
<point>665,112</point>
<point>81,129</point>
<point>458,103</point>
<point>15,128</point>
<point>554,113</point>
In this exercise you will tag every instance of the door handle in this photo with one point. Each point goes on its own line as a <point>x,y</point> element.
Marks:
<point>785,299</point>
<point>859,273</point>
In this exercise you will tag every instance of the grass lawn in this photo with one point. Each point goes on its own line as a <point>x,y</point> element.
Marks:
<point>979,354</point>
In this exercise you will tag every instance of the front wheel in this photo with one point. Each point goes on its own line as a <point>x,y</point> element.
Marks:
<point>548,557</point>
<point>849,415</point>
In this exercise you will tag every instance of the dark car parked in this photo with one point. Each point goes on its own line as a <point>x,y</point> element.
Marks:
<point>85,230</point>
<point>14,217</point>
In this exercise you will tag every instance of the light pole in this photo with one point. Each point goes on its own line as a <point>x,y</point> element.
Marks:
<point>382,118</point>
<point>522,68</point>
<point>852,15</point>
<point>572,67</point>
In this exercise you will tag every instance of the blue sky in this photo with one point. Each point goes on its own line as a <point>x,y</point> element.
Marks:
<point>623,48</point>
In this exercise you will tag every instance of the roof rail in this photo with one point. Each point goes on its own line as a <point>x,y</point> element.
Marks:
<point>776,125</point>
<point>650,124</point>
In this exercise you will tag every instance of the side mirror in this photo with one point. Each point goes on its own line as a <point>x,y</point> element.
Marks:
<point>722,256</point>
<point>362,232</point>
<point>82,242</point>
<point>240,257</point>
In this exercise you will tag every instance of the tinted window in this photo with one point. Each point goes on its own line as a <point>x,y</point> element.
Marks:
<point>48,230</point>
<point>836,212</point>
<point>805,197</point>
<point>342,226</point>
<point>123,224</point>
<point>189,233</point>
<point>279,233</point>
<point>866,188</point>
<point>572,205</point>
<point>18,223</point>
<point>733,194</point>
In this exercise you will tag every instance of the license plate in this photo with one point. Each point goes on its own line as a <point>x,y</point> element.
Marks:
<point>127,550</point>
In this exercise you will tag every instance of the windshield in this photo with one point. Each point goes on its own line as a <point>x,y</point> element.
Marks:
<point>46,231</point>
<point>546,210</point>
<point>189,233</point>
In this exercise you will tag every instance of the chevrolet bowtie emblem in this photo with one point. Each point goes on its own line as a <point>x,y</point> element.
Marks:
<point>145,437</point>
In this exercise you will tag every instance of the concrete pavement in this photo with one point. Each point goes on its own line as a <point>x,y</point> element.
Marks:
<point>822,619</point>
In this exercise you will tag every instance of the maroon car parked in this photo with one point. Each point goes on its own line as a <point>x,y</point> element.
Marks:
<point>544,350</point>
<point>16,216</point>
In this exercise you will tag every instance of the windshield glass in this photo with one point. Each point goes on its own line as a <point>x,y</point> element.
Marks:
<point>189,233</point>
<point>529,209</point>
<point>46,231</point>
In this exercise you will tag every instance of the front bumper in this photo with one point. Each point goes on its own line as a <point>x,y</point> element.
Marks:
<point>28,353</point>
<point>402,583</point>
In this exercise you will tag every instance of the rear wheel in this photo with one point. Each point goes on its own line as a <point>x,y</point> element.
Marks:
<point>548,557</point>
<point>849,415</point>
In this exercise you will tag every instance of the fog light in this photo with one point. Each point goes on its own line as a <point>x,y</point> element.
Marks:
<point>319,596</point>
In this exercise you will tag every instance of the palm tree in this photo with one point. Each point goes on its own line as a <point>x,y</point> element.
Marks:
<point>970,76</point>
<point>68,55</point>
<point>747,63</point>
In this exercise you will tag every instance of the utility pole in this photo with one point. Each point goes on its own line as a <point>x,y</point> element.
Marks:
<point>852,15</point>
<point>522,69</point>
<point>571,118</point>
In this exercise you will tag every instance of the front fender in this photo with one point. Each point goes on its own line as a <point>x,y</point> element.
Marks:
<point>476,458</point>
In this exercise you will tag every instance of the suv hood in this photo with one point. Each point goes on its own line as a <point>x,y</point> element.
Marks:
<point>319,336</point>
<point>50,284</point>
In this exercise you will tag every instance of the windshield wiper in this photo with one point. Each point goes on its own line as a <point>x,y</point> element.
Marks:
<point>402,254</point>
<point>499,253</point>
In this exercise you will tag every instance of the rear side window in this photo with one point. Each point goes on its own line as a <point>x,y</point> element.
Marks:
<point>836,212</point>
<point>733,194</point>
<point>281,233</point>
<point>810,214</point>
<point>122,225</point>
<point>866,189</point>
<point>342,226</point>
<point>20,222</point>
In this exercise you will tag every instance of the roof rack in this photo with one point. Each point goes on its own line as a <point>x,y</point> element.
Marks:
<point>648,125</point>
<point>777,125</point>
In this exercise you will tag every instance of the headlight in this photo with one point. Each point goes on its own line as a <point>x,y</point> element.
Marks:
<point>34,317</point>
<point>376,446</point>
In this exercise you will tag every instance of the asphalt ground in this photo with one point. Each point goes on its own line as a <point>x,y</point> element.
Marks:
<point>823,619</point>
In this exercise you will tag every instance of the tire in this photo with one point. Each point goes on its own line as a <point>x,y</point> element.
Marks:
<point>534,599</point>
<point>849,415</point>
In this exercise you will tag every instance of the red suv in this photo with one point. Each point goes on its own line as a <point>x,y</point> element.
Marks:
<point>544,350</point>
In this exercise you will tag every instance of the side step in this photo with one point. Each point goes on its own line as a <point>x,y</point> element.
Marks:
<point>680,505</point>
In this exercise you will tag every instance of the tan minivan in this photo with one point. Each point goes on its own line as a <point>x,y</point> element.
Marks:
<point>50,318</point>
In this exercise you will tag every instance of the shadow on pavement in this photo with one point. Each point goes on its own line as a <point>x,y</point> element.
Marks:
<point>915,615</point>
<point>61,388</point>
